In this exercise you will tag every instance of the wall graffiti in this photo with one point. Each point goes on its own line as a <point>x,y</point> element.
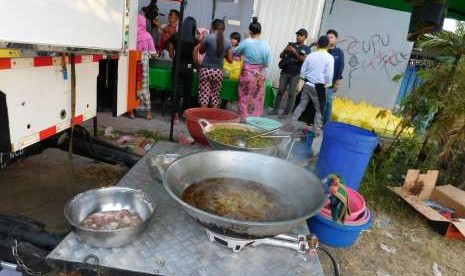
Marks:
<point>371,53</point>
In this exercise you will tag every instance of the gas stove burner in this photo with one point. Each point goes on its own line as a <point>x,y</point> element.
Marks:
<point>301,243</point>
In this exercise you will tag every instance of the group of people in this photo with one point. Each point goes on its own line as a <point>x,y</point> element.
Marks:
<point>321,71</point>
<point>207,52</point>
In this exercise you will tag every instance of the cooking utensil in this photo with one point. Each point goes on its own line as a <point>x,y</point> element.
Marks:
<point>109,199</point>
<point>207,128</point>
<point>292,136</point>
<point>301,189</point>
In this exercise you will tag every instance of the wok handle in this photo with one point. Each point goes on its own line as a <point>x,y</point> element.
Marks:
<point>164,159</point>
<point>204,124</point>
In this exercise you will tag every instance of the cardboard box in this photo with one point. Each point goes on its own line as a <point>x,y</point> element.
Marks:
<point>420,187</point>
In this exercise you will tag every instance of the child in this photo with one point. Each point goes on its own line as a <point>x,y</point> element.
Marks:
<point>235,39</point>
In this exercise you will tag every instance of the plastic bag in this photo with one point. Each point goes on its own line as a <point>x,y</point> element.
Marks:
<point>232,70</point>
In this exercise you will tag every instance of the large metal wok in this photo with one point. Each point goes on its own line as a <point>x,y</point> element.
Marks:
<point>295,185</point>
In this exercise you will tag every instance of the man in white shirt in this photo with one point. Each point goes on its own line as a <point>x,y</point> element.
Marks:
<point>317,70</point>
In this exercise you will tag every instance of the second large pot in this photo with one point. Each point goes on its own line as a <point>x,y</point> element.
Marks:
<point>301,188</point>
<point>207,128</point>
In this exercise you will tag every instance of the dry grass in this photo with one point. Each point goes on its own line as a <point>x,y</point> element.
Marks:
<point>417,248</point>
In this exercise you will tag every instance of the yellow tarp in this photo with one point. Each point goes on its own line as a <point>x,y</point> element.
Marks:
<point>9,53</point>
<point>366,116</point>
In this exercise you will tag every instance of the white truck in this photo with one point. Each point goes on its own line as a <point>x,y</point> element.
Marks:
<point>39,41</point>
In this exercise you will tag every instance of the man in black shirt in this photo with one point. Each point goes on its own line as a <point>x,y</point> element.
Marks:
<point>292,59</point>
<point>338,56</point>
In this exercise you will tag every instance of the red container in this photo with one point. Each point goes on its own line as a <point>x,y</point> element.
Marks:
<point>357,205</point>
<point>212,115</point>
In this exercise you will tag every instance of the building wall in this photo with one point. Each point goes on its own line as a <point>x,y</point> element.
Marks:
<point>281,19</point>
<point>374,41</point>
<point>239,11</point>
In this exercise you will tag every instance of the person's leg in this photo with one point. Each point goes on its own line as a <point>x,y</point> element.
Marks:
<point>204,92</point>
<point>216,84</point>
<point>259,94</point>
<point>145,108</point>
<point>293,83</point>
<point>283,83</point>
<point>318,97</point>
<point>187,75</point>
<point>304,100</point>
<point>329,105</point>
<point>245,93</point>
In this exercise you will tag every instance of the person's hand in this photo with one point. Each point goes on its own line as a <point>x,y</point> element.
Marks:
<point>156,23</point>
<point>291,49</point>
<point>337,85</point>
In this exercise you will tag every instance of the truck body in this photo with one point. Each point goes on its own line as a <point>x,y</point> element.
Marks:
<point>38,42</point>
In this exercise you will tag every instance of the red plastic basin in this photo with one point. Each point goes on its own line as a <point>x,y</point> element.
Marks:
<point>212,115</point>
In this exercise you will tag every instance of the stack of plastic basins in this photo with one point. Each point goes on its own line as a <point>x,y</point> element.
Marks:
<point>345,234</point>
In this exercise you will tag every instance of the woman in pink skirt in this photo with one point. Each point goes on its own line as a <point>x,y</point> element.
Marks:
<point>257,56</point>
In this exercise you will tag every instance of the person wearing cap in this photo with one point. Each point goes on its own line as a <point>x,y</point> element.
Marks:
<point>338,55</point>
<point>292,58</point>
<point>317,71</point>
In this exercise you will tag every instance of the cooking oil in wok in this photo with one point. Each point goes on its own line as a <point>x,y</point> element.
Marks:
<point>239,199</point>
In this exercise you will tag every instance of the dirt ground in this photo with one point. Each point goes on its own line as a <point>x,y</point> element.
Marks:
<point>414,246</point>
<point>40,186</point>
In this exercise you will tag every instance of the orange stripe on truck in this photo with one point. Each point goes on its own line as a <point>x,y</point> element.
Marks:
<point>5,63</point>
<point>44,134</point>
<point>43,61</point>
<point>78,119</point>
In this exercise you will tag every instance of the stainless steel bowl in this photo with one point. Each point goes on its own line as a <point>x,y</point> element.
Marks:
<point>109,199</point>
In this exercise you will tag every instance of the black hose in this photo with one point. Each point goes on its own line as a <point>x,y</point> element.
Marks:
<point>22,220</point>
<point>39,238</point>
<point>333,261</point>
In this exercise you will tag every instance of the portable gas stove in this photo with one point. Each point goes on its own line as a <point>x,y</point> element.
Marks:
<point>174,244</point>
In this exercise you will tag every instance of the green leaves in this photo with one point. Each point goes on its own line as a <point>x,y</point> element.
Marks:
<point>445,42</point>
<point>397,77</point>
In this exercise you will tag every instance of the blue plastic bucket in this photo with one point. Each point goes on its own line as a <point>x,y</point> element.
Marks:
<point>346,150</point>
<point>335,234</point>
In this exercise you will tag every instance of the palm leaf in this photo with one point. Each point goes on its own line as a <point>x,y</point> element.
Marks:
<point>445,42</point>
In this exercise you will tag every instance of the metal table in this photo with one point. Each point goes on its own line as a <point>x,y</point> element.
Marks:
<point>175,244</point>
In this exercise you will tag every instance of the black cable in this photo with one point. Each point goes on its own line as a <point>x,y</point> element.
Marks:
<point>333,261</point>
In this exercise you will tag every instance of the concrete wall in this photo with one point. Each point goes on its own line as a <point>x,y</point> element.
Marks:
<point>281,19</point>
<point>374,41</point>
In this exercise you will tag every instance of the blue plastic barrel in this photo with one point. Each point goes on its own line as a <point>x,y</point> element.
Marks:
<point>346,150</point>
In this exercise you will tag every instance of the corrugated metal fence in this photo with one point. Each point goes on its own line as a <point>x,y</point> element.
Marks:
<point>281,19</point>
